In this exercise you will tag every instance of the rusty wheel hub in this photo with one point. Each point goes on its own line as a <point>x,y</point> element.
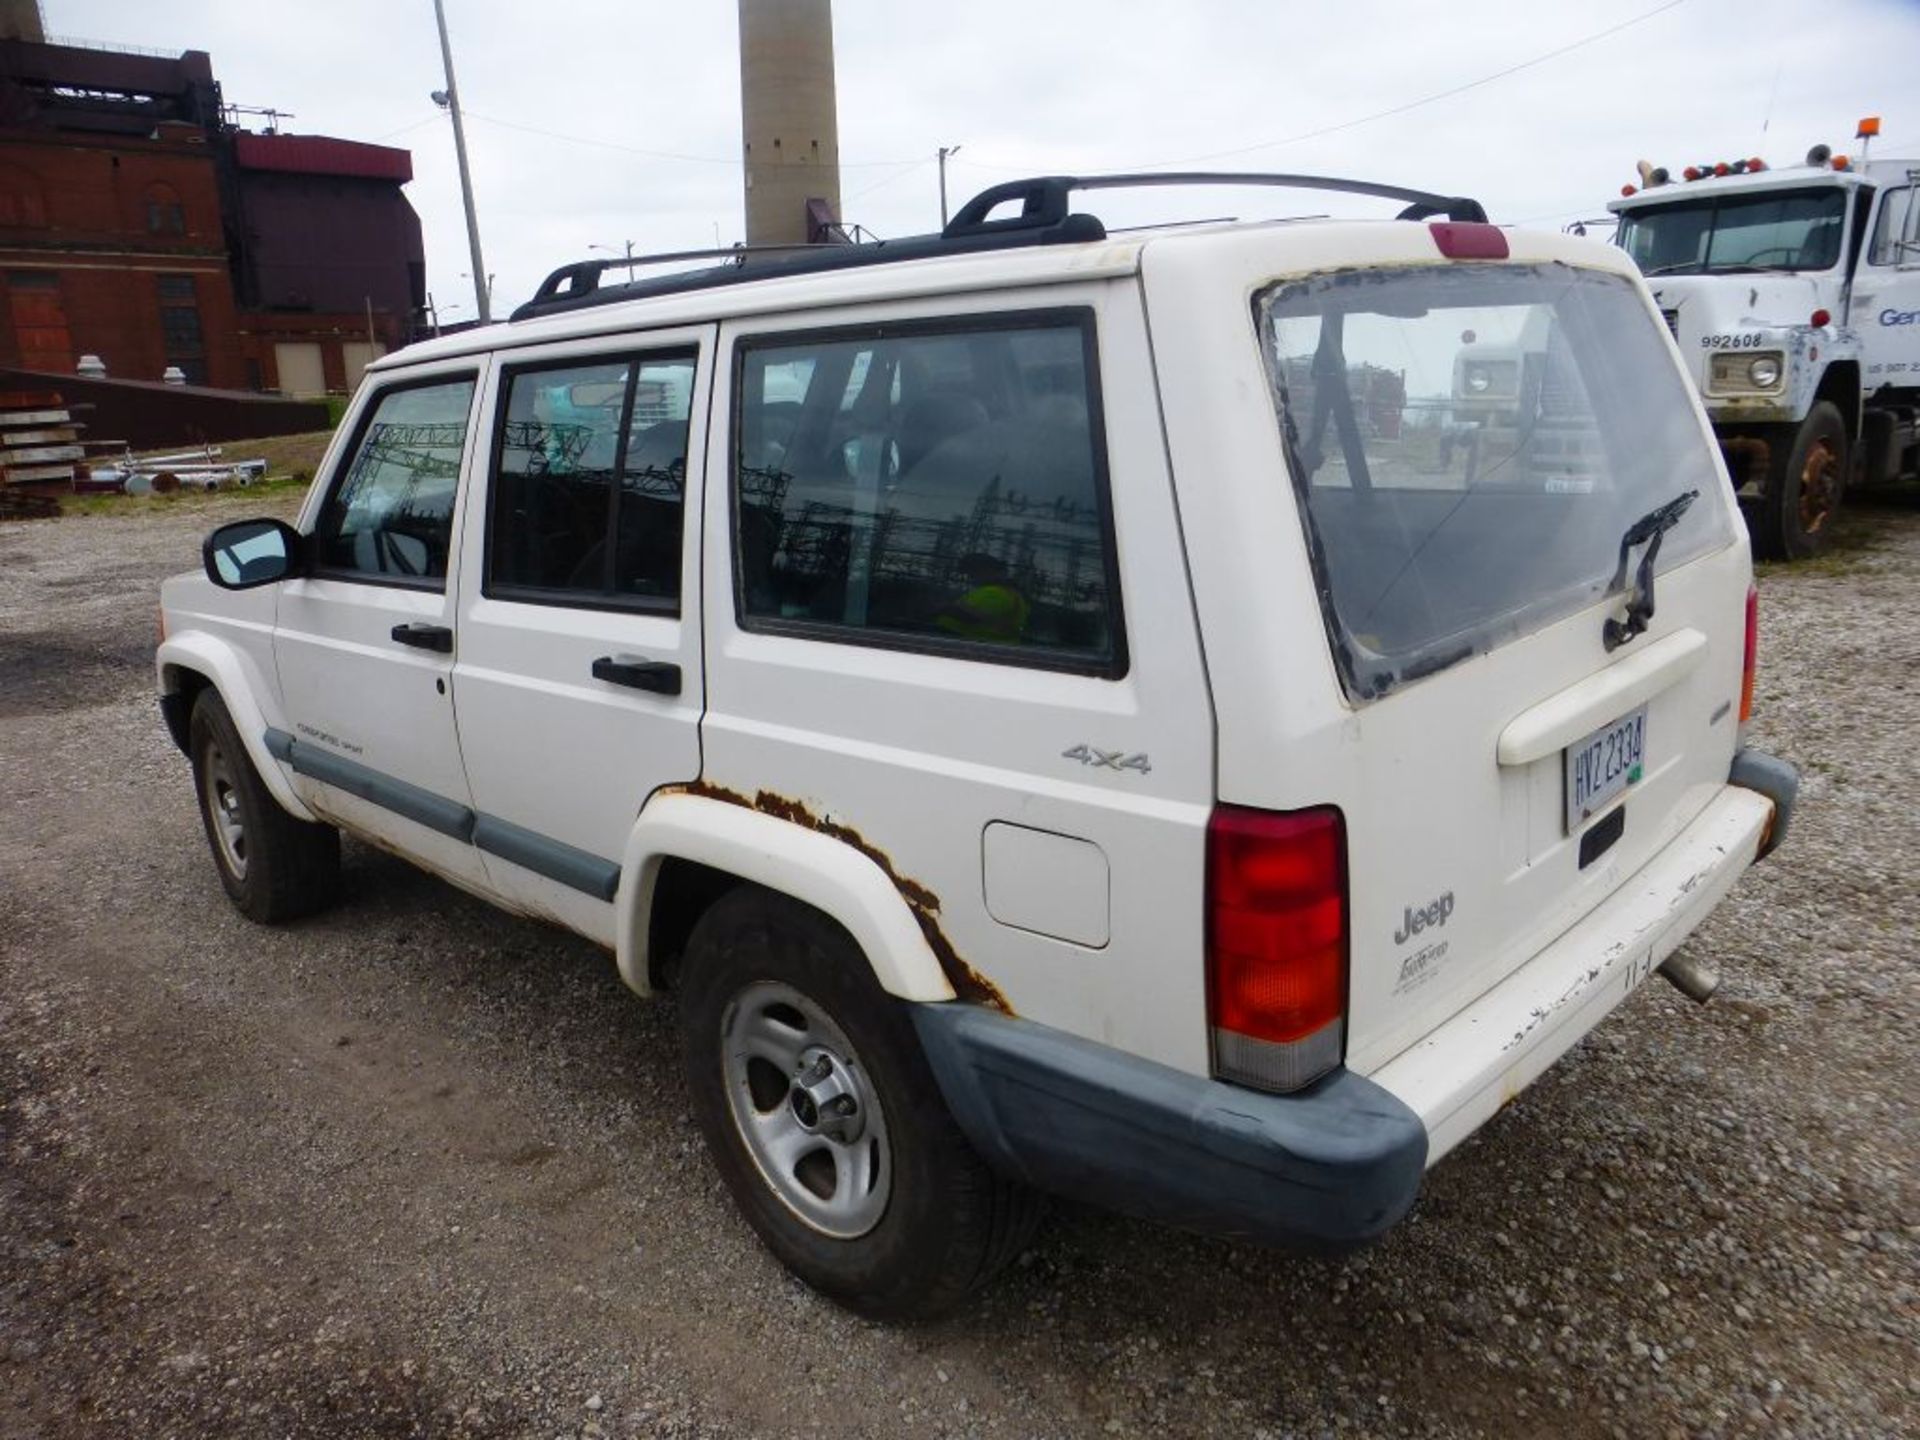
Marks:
<point>1819,480</point>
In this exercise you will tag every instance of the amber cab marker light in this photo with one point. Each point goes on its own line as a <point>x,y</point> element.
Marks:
<point>1751,661</point>
<point>1841,162</point>
<point>1756,164</point>
<point>1626,190</point>
<point>1692,172</point>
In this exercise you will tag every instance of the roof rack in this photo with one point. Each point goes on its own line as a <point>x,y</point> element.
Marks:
<point>582,277</point>
<point>1044,200</point>
<point>1044,219</point>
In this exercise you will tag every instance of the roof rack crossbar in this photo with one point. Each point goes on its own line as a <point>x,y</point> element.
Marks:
<point>1043,200</point>
<point>582,277</point>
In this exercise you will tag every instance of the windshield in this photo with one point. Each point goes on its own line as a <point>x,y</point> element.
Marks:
<point>1469,444</point>
<point>1771,230</point>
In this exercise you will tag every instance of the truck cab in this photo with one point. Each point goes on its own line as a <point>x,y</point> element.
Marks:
<point>1792,295</point>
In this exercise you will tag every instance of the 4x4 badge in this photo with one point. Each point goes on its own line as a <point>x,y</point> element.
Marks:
<point>1110,759</point>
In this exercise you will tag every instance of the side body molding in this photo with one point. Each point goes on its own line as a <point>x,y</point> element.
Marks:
<point>238,679</point>
<point>826,873</point>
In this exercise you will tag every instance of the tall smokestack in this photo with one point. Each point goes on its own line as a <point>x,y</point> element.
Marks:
<point>792,138</point>
<point>20,20</point>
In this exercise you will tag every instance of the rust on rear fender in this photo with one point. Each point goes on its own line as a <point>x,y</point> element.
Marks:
<point>968,983</point>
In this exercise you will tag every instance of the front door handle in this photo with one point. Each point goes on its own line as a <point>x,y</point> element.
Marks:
<point>639,673</point>
<point>425,637</point>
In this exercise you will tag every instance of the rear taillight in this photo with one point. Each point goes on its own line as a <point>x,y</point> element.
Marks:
<point>1276,944</point>
<point>1752,660</point>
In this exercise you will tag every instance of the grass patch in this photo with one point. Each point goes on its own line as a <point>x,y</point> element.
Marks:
<point>291,460</point>
<point>268,492</point>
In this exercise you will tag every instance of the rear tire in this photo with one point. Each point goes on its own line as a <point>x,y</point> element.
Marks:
<point>891,1214</point>
<point>274,867</point>
<point>1805,485</point>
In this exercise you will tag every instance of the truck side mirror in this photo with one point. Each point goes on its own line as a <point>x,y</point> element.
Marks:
<point>250,553</point>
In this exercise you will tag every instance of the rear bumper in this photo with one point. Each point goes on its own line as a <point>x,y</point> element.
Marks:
<point>1460,1073</point>
<point>1331,1167</point>
<point>1778,781</point>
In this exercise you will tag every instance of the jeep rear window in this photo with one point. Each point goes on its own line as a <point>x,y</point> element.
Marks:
<point>1468,445</point>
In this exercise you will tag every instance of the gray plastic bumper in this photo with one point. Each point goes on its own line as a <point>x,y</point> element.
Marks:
<point>1773,778</point>
<point>1331,1167</point>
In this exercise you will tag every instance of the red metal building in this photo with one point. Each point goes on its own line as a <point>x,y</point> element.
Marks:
<point>137,226</point>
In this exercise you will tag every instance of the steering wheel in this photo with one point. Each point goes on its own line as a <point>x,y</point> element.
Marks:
<point>1789,253</point>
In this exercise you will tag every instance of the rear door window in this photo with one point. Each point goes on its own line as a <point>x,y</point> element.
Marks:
<point>1469,444</point>
<point>940,489</point>
<point>589,482</point>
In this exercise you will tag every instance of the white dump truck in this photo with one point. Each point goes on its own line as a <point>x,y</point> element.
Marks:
<point>1794,295</point>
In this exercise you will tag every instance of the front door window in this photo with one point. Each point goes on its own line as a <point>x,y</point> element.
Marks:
<point>390,516</point>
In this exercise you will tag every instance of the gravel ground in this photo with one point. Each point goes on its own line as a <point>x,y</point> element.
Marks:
<point>413,1168</point>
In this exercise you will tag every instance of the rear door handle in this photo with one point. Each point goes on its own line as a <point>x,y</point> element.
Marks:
<point>425,637</point>
<point>638,673</point>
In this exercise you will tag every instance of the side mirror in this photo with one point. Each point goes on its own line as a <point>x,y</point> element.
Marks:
<point>249,553</point>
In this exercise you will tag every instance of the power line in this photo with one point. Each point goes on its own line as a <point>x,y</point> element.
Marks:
<point>908,167</point>
<point>1447,94</point>
<point>1679,191</point>
<point>404,129</point>
<point>1401,109</point>
<point>593,140</point>
<point>652,154</point>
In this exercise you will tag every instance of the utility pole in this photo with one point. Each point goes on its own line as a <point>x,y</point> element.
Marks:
<point>450,98</point>
<point>945,151</point>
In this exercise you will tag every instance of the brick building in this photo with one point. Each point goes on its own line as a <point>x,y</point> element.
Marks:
<point>136,225</point>
<point>327,258</point>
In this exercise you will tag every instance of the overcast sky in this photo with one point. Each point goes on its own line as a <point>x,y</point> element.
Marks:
<point>596,122</point>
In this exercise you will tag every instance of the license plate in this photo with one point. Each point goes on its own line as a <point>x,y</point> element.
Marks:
<point>1603,764</point>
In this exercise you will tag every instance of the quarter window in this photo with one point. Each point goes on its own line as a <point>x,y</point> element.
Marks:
<point>391,513</point>
<point>588,455</point>
<point>936,490</point>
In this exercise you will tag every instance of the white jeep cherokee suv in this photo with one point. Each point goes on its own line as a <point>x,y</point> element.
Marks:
<point>1066,712</point>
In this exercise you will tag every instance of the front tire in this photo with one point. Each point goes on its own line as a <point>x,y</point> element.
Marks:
<point>274,867</point>
<point>825,1122</point>
<point>1804,488</point>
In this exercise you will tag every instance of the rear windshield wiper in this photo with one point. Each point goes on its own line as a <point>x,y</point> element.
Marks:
<point>1648,530</point>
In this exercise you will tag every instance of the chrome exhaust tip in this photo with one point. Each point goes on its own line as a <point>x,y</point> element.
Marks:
<point>1691,978</point>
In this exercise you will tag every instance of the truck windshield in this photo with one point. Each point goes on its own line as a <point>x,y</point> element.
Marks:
<point>1468,444</point>
<point>1770,230</point>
